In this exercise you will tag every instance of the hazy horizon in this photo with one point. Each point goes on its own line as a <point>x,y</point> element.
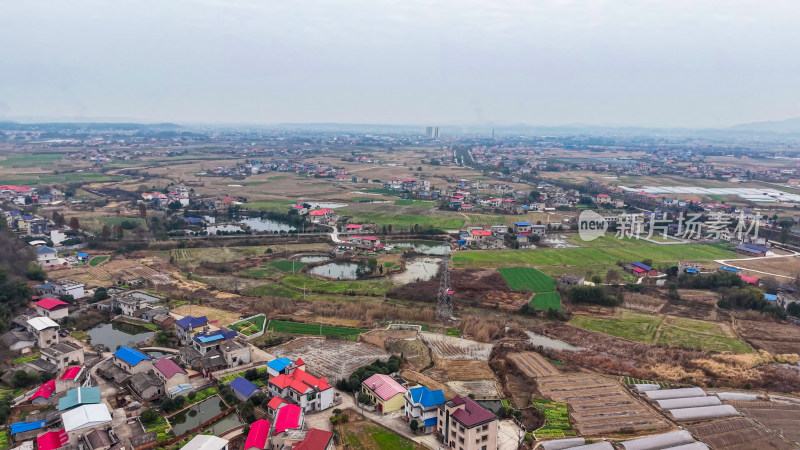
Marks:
<point>664,64</point>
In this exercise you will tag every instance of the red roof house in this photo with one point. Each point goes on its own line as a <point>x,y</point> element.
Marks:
<point>45,391</point>
<point>52,440</point>
<point>258,436</point>
<point>315,439</point>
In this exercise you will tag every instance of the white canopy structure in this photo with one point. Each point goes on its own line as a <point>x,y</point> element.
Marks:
<point>664,394</point>
<point>85,416</point>
<point>659,441</point>
<point>688,402</point>
<point>703,412</point>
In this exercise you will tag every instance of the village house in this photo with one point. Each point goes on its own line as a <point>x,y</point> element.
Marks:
<point>288,421</point>
<point>132,361</point>
<point>174,378</point>
<point>206,442</point>
<point>45,330</point>
<point>52,308</point>
<point>147,385</point>
<point>569,280</point>
<point>46,257</point>
<point>642,270</point>
<point>235,352</point>
<point>464,424</point>
<point>243,389</point>
<point>79,396</point>
<point>522,227</point>
<point>689,267</point>
<point>62,355</point>
<point>17,339</point>
<point>68,287</point>
<point>292,383</point>
<point>753,250</point>
<point>320,215</point>
<point>313,439</point>
<point>422,405</point>
<point>72,378</point>
<point>385,392</point>
<point>364,242</point>
<point>185,327</point>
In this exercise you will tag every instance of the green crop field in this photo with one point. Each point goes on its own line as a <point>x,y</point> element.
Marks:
<point>364,287</point>
<point>31,160</point>
<point>285,265</point>
<point>250,326</point>
<point>527,278</point>
<point>556,420</point>
<point>484,220</point>
<point>314,329</point>
<point>666,330</point>
<point>628,325</point>
<point>405,202</point>
<point>403,220</point>
<point>97,260</point>
<point>270,205</point>
<point>546,300</point>
<point>259,273</point>
<point>274,290</point>
<point>603,252</point>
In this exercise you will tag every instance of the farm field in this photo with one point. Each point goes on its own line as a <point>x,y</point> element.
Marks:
<point>533,365</point>
<point>405,202</point>
<point>313,329</point>
<point>775,338</point>
<point>363,287</point>
<point>737,433</point>
<point>527,278</point>
<point>781,418</point>
<point>259,273</point>
<point>274,290</point>
<point>403,220</point>
<point>366,435</point>
<point>192,257</point>
<point>250,326</point>
<point>667,330</point>
<point>97,260</point>
<point>216,317</point>
<point>479,389</point>
<point>600,406</point>
<point>602,253</point>
<point>285,265</point>
<point>788,267</point>
<point>556,420</point>
<point>448,347</point>
<point>663,384</point>
<point>331,359</point>
<point>463,369</point>
<point>547,300</point>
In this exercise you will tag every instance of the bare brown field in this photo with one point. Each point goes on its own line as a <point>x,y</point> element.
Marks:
<point>331,359</point>
<point>480,389</point>
<point>379,338</point>
<point>737,434</point>
<point>782,418</point>
<point>788,267</point>
<point>448,347</point>
<point>773,337</point>
<point>216,317</point>
<point>465,369</point>
<point>599,405</point>
<point>533,364</point>
<point>416,353</point>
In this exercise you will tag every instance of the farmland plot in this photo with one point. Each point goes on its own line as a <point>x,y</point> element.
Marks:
<point>480,389</point>
<point>331,359</point>
<point>737,433</point>
<point>527,278</point>
<point>533,364</point>
<point>447,347</point>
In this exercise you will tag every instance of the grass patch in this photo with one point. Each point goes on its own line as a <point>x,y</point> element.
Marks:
<point>627,325</point>
<point>313,329</point>
<point>231,376</point>
<point>454,332</point>
<point>375,437</point>
<point>270,205</point>
<point>160,426</point>
<point>359,287</point>
<point>250,326</point>
<point>80,335</point>
<point>398,221</point>
<point>26,358</point>
<point>4,441</point>
<point>546,300</point>
<point>259,273</point>
<point>687,339</point>
<point>149,326</point>
<point>603,253</point>
<point>408,202</point>
<point>527,279</point>
<point>274,290</point>
<point>556,422</point>
<point>97,260</point>
<point>285,265</point>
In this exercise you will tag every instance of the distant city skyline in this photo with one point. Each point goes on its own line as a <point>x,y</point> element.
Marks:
<point>662,63</point>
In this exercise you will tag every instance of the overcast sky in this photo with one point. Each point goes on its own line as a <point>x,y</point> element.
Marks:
<point>692,63</point>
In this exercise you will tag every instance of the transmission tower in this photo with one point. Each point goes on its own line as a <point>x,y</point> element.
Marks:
<point>444,299</point>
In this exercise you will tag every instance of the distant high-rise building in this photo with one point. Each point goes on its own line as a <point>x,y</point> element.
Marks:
<point>432,132</point>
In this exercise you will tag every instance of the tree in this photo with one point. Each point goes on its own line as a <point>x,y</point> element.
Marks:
<point>35,272</point>
<point>142,210</point>
<point>74,223</point>
<point>106,232</point>
<point>118,231</point>
<point>414,425</point>
<point>149,416</point>
<point>100,294</point>
<point>364,398</point>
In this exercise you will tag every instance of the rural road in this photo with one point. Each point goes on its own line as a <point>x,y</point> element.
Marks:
<point>725,262</point>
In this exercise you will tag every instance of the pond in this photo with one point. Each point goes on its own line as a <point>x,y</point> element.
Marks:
<point>550,343</point>
<point>116,334</point>
<point>337,270</point>
<point>492,405</point>
<point>202,412</point>
<point>313,259</point>
<point>227,228</point>
<point>424,247</point>
<point>262,224</point>
<point>418,269</point>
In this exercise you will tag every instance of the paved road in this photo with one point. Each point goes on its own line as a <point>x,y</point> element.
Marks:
<point>727,262</point>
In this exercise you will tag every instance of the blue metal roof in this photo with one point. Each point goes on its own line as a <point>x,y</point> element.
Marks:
<point>691,270</point>
<point>771,297</point>
<point>279,364</point>
<point>641,266</point>
<point>243,386</point>
<point>205,339</point>
<point>192,322</point>
<point>430,422</point>
<point>729,269</point>
<point>130,355</point>
<point>523,224</point>
<point>426,397</point>
<point>43,250</point>
<point>21,427</point>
